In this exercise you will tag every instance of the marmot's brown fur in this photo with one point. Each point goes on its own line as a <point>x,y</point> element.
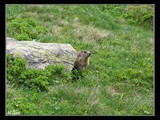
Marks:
<point>82,60</point>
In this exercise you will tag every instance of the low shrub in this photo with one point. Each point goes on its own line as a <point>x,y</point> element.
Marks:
<point>37,79</point>
<point>133,14</point>
<point>139,14</point>
<point>25,28</point>
<point>15,67</point>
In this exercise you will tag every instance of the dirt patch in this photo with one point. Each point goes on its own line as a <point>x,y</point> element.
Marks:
<point>112,90</point>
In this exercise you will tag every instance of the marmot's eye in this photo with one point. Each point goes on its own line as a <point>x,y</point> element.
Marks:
<point>85,52</point>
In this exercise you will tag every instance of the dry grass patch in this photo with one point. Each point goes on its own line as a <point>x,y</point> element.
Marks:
<point>94,96</point>
<point>110,90</point>
<point>56,30</point>
<point>89,33</point>
<point>31,14</point>
<point>36,6</point>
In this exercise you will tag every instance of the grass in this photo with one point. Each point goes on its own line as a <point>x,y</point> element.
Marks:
<point>119,80</point>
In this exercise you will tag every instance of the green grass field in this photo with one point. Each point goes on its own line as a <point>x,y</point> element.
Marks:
<point>119,80</point>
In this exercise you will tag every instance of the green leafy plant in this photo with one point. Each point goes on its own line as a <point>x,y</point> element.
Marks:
<point>37,79</point>
<point>58,74</point>
<point>133,14</point>
<point>25,28</point>
<point>15,67</point>
<point>139,14</point>
<point>77,75</point>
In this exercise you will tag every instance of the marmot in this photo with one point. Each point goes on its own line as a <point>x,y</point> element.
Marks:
<point>82,60</point>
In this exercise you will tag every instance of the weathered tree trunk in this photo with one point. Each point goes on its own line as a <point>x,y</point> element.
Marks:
<point>39,55</point>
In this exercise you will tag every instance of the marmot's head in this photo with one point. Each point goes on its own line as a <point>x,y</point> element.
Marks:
<point>84,54</point>
<point>82,60</point>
